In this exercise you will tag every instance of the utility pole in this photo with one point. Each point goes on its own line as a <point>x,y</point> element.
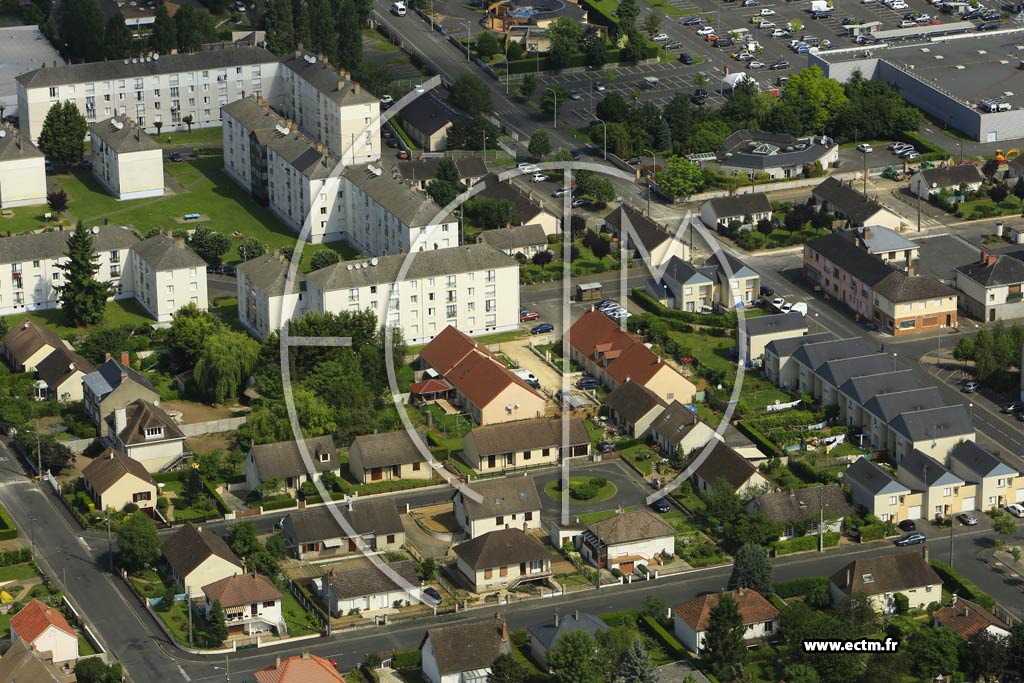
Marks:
<point>952,525</point>
<point>918,212</point>
<point>227,668</point>
<point>110,544</point>
<point>654,168</point>
<point>821,523</point>
<point>39,453</point>
<point>188,606</point>
<point>865,174</point>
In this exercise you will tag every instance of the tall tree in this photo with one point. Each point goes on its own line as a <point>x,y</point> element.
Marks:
<point>242,539</point>
<point>350,36</point>
<point>636,665</point>
<point>210,245</point>
<point>250,248</point>
<point>226,362</point>
<point>679,178</point>
<point>573,659</point>
<point>528,86</point>
<point>83,298</point>
<point>565,36</point>
<point>62,138</point>
<point>280,27</point>
<point>137,542</point>
<point>81,30</point>
<point>193,27</point>
<point>164,36</point>
<point>751,569</point>
<point>442,191</point>
<point>54,457</point>
<point>471,95</point>
<point>447,170</point>
<point>216,625</point>
<point>303,32</point>
<point>627,13</point>
<point>988,654</point>
<point>487,45</point>
<point>324,28</point>
<point>507,669</point>
<point>118,39</point>
<point>540,144</point>
<point>324,258</point>
<point>723,643</point>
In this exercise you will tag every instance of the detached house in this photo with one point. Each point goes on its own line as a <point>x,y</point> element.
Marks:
<point>251,602</point>
<point>464,653</point>
<point>527,210</point>
<point>45,630</point>
<point>854,208</point>
<point>284,462</point>
<point>501,560</point>
<point>392,455</point>
<point>932,181</point>
<point>198,558</point>
<point>881,578</point>
<point>967,619</point>
<point>691,619</point>
<point>990,289</point>
<point>60,376</point>
<point>747,209</point>
<point>653,243</point>
<point>544,636</point>
<point>304,668</point>
<point>997,484</point>
<point>506,503</point>
<point>316,533</point>
<point>527,443</point>
<point>628,539</point>
<point>725,464</point>
<point>798,511</point>
<point>114,384</point>
<point>27,344</point>
<point>368,588</point>
<point>677,430</point>
<point>144,432</point>
<point>114,480</point>
<point>634,407</point>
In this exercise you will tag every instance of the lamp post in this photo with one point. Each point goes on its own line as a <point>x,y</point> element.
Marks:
<point>604,127</point>
<point>554,94</point>
<point>654,161</point>
<point>469,36</point>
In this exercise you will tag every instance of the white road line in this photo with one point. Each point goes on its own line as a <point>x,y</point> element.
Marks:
<point>183,674</point>
<point>84,544</point>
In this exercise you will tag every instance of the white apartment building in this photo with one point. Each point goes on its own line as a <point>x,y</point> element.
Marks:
<point>330,108</point>
<point>264,301</point>
<point>474,288</point>
<point>168,275</point>
<point>164,88</point>
<point>29,272</point>
<point>125,159</point>
<point>22,170</point>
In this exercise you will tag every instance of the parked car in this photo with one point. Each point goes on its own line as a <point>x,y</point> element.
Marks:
<point>605,447</point>
<point>724,42</point>
<point>575,96</point>
<point>693,21</point>
<point>587,383</point>
<point>754,64</point>
<point>767,12</point>
<point>599,85</point>
<point>907,525</point>
<point>705,31</point>
<point>577,203</point>
<point>686,58</point>
<point>279,524</point>
<point>751,3</point>
<point>661,505</point>
<point>778,303</point>
<point>1015,509</point>
<point>387,101</point>
<point>911,539</point>
<point>403,154</point>
<point>633,161</point>
<point>781,64</point>
<point>988,26</point>
<point>866,148</point>
<point>175,157</point>
<point>392,142</point>
<point>1012,407</point>
<point>607,303</point>
<point>660,38</point>
<point>780,33</point>
<point>526,316</point>
<point>766,291</point>
<point>432,596</point>
<point>967,519</point>
<point>768,25</point>
<point>971,386</point>
<point>698,99</point>
<point>543,328</point>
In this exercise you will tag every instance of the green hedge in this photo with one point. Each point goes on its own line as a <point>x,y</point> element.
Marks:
<point>649,303</point>
<point>278,503</point>
<point>8,530</point>
<point>221,506</point>
<point>759,439</point>
<point>673,647</point>
<point>20,556</point>
<point>799,587</point>
<point>627,618</point>
<point>804,543</point>
<point>872,532</point>
<point>406,659</point>
<point>955,582</point>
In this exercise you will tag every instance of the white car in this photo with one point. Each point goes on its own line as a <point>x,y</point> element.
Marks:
<point>754,64</point>
<point>786,308</point>
<point>907,23</point>
<point>1015,509</point>
<point>899,5</point>
<point>387,100</point>
<point>528,168</point>
<point>660,38</point>
<point>767,12</point>
<point>768,24</point>
<point>865,147</point>
<point>705,31</point>
<point>538,177</point>
<point>778,303</point>
<point>621,314</point>
<point>780,33</point>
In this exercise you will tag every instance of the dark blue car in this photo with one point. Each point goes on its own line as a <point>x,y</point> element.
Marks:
<point>542,328</point>
<point>911,539</point>
<point>587,383</point>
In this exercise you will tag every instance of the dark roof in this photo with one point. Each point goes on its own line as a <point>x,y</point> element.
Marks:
<point>389,448</point>
<point>872,477</point>
<point>650,234</point>
<point>887,406</point>
<point>814,355</point>
<point>674,423</point>
<point>164,253</point>
<point>368,516</point>
<point>934,423</point>
<point>428,114</point>
<point>632,400</point>
<point>840,249</point>
<point>505,496</point>
<point>23,340</point>
<point>749,203</point>
<point>328,80</point>
<point>548,633</point>
<point>862,389</point>
<point>853,205</point>
<point>927,470</point>
<point>53,244</point>
<point>787,347</point>
<point>737,268</point>
<point>189,546</point>
<point>685,272</point>
<point>525,207</point>
<point>627,527</point>
<point>523,435</point>
<point>410,207</point>
<point>13,145</point>
<point>757,149</point>
<point>426,168</point>
<point>978,460</point>
<point>774,324</point>
<point>355,583</point>
<point>467,646</point>
<point>898,287</point>
<point>966,618</point>
<point>837,372</point>
<point>515,237</point>
<point>123,135</point>
<point>725,463</point>
<point>885,574</point>
<point>22,663</point>
<point>788,506</point>
<point>107,377</point>
<point>107,468</point>
<point>269,275</point>
<point>501,547</point>
<point>63,363</point>
<point>952,176</point>
<point>1005,271</point>
<point>283,459</point>
<point>216,58</point>
<point>143,415</point>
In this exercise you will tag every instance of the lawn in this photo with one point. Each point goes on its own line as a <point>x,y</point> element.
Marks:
<point>604,493</point>
<point>592,517</point>
<point>198,136</point>
<point>123,312</point>
<point>709,351</point>
<point>641,457</point>
<point>300,622</point>
<point>5,625</point>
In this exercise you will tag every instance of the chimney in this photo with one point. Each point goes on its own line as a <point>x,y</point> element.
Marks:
<point>504,632</point>
<point>110,455</point>
<point>124,358</point>
<point>556,616</point>
<point>277,662</point>
<point>305,654</point>
<point>984,256</point>
<point>355,87</point>
<point>992,259</point>
<point>739,591</point>
<point>341,84</point>
<point>120,420</point>
<point>107,355</point>
<point>849,575</point>
<point>298,51</point>
<point>867,232</point>
<point>179,241</point>
<point>924,552</point>
<point>952,602</point>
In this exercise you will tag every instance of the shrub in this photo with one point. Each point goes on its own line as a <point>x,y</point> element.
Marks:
<point>797,587</point>
<point>162,503</point>
<point>872,532</point>
<point>278,503</point>
<point>583,490</point>
<point>955,582</point>
<point>8,530</point>
<point>664,638</point>
<point>804,543</point>
<point>406,659</point>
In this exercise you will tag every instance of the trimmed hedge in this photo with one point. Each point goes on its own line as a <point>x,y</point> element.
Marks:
<point>221,506</point>
<point>804,543</point>
<point>650,304</point>
<point>278,503</point>
<point>759,439</point>
<point>872,532</point>
<point>406,659</point>
<point>799,587</point>
<point>20,556</point>
<point>8,529</point>
<point>672,646</point>
<point>627,618</point>
<point>955,582</point>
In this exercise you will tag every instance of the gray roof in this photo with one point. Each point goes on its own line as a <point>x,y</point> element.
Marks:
<point>862,389</point>
<point>978,460</point>
<point>430,263</point>
<point>302,154</point>
<point>283,459</point>
<point>837,372</point>
<point>269,274</point>
<point>61,364</point>
<point>757,150</point>
<point>887,406</point>
<point>813,356</point>
<point>389,448</point>
<point>523,435</point>
<point>467,646</point>
<point>627,527</point>
<point>163,253</point>
<point>426,168</point>
<point>26,338</point>
<point>22,663</point>
<point>872,477</point>
<point>775,324</point>
<point>685,273</point>
<point>650,234</point>
<point>749,203</point>
<point>941,255</point>
<point>505,496</point>
<point>355,583</point>
<point>738,267</point>
<point>13,145</point>
<point>845,200</point>
<point>499,548</point>
<point>428,114</point>
<point>216,58</point>
<point>788,506</point>
<point>840,248</point>
<point>548,632</point>
<point>674,423</point>
<point>723,462</point>
<point>189,546</point>
<point>525,206</point>
<point>927,470</point>
<point>251,114</point>
<point>880,239</point>
<point>632,400</point>
<point>410,207</point>
<point>952,176</point>
<point>123,135</point>
<point>53,244</point>
<point>898,287</point>
<point>328,81</point>
<point>885,573</point>
<point>367,516</point>
<point>515,237</point>
<point>1005,271</point>
<point>934,423</point>
<point>107,377</point>
<point>787,347</point>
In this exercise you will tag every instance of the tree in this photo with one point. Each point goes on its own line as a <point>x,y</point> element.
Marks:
<point>193,27</point>
<point>988,654</point>
<point>723,642</point>
<point>324,28</point>
<point>61,138</point>
<point>81,30</point>
<point>471,95</point>
<point>751,569</point>
<point>635,49</point>
<point>663,135</point>
<point>1018,191</point>
<point>636,665</point>
<point>192,488</point>
<point>442,192</point>
<point>507,669</point>
<point>190,328</point>
<point>817,98</point>
<point>800,673</point>
<point>542,258</point>
<point>1004,525</point>
<point>208,244</point>
<point>427,569</point>
<point>280,27</point>
<point>613,108</point>
<point>242,539</point>
<point>323,258</point>
<point>540,144</point>
<point>858,610</point>
<point>1016,647</point>
<point>4,328</point>
<point>755,528</point>
<point>554,96</point>
<point>472,134</point>
<point>250,248</point>
<point>627,13</point>
<point>350,37</point>
<point>53,455</point>
<point>721,502</point>
<point>158,125</point>
<point>216,625</point>
<point>137,542</point>
<point>117,37</point>
<point>488,213</point>
<point>303,32</point>
<point>797,26</point>
<point>964,349</point>
<point>529,86</point>
<point>225,363</point>
<point>57,201</point>
<point>564,35</point>
<point>573,660</point>
<point>188,120</point>
<point>989,168</point>
<point>164,36</point>
<point>934,651</point>
<point>651,25</point>
<point>83,298</point>
<point>679,177</point>
<point>514,51</point>
<point>655,608</point>
<point>448,171</point>
<point>597,54</point>
<point>487,45</point>
<point>94,670</point>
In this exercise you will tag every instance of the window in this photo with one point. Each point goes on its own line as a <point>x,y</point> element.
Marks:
<point>1000,482</point>
<point>528,516</point>
<point>154,432</point>
<point>946,491</point>
<point>892,500</point>
<point>391,539</point>
<point>503,571</point>
<point>416,466</point>
<point>488,573</point>
<point>499,520</point>
<point>269,603</point>
<point>145,495</point>
<point>450,311</point>
<point>115,271</point>
<point>53,92</point>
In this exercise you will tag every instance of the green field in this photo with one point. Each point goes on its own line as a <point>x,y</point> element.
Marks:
<point>123,312</point>
<point>198,136</point>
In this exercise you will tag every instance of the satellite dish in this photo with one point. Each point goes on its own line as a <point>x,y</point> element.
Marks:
<point>3,133</point>
<point>777,401</point>
<point>348,267</point>
<point>95,229</point>
<point>374,261</point>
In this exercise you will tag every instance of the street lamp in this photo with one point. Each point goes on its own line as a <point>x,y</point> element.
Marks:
<point>469,35</point>
<point>554,94</point>
<point>654,161</point>
<point>604,127</point>
<point>226,669</point>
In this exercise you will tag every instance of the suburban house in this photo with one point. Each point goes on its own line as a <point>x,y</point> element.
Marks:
<point>725,464</point>
<point>168,276</point>
<point>880,578</point>
<point>283,462</point>
<point>798,511</point>
<point>391,455</point>
<point>653,243</point>
<point>878,492</point>
<point>967,619</point>
<point>765,329</point>
<point>990,289</point>
<point>779,365</point>
<point>889,245</point>
<point>943,493</point>
<point>501,560</point>
<point>677,430</point>
<point>251,602</point>
<point>463,653</point>
<point>737,284</point>
<point>633,407</point>
<point>265,302</point>
<point>745,209</point>
<point>427,121</point>
<point>758,154</point>
<point>997,484</point>
<point>60,376</point>
<point>22,663</point>
<point>45,630</point>
<point>613,356</point>
<point>691,619</point>
<point>628,539</point>
<point>28,344</point>
<point>22,170</point>
<point>517,239</point>
<point>144,432</point>
<point>835,373</point>
<point>125,160</point>
<point>489,391</point>
<point>545,635</point>
<point>198,557</point>
<point>527,209</point>
<point>315,533</point>
<point>114,384</point>
<point>417,173</point>
<point>933,431</point>
<point>932,181</point>
<point>506,503</point>
<point>852,207</point>
<point>858,408</point>
<point>114,480</point>
<point>368,588</point>
<point>527,443</point>
<point>304,668</point>
<point>684,286</point>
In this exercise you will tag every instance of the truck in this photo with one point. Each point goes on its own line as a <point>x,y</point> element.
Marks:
<point>820,6</point>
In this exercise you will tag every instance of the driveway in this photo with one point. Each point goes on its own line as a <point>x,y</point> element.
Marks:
<point>630,492</point>
<point>519,352</point>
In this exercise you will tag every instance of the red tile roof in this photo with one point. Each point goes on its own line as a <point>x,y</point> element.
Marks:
<point>35,617</point>
<point>446,349</point>
<point>306,668</point>
<point>622,355</point>
<point>242,589</point>
<point>430,386</point>
<point>966,618</point>
<point>754,608</point>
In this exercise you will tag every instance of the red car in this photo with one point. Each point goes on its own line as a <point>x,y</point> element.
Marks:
<point>385,134</point>
<point>403,154</point>
<point>525,315</point>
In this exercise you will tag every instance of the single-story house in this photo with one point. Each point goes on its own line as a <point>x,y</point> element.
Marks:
<point>932,181</point>
<point>368,588</point>
<point>677,430</point>
<point>851,206</point>
<point>691,619</point>
<point>799,511</point>
<point>45,630</point>
<point>746,209</point>
<point>527,443</point>
<point>517,239</point>
<point>26,345</point>
<point>967,619</point>
<point>882,577</point>
<point>545,635</point>
<point>506,503</point>
<point>251,603</point>
<point>634,407</point>
<point>463,653</point>
<point>197,558</point>
<point>60,376</point>
<point>391,455</point>
<point>501,560</point>
<point>419,172</point>
<point>304,668</point>
<point>725,464</point>
<point>114,480</point>
<point>316,533</point>
<point>628,539</point>
<point>427,121</point>
<point>527,209</point>
<point>283,462</point>
<point>753,153</point>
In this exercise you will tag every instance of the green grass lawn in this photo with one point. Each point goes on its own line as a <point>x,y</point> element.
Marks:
<point>123,312</point>
<point>710,351</point>
<point>591,517</point>
<point>300,622</point>
<point>635,454</point>
<point>18,572</point>
<point>85,648</point>
<point>198,136</point>
<point>5,625</point>
<point>603,493</point>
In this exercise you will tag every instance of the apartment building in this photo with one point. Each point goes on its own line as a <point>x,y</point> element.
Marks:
<point>126,161</point>
<point>30,273</point>
<point>168,276</point>
<point>22,170</point>
<point>474,288</point>
<point>164,88</point>
<point>265,302</point>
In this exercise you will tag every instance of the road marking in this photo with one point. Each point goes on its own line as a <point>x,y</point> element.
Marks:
<point>84,544</point>
<point>183,674</point>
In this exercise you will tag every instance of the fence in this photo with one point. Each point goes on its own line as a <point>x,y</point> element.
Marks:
<point>228,424</point>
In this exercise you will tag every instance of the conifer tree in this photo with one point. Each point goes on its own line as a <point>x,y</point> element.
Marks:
<point>82,296</point>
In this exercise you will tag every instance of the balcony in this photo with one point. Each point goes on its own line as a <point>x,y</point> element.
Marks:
<point>1014,298</point>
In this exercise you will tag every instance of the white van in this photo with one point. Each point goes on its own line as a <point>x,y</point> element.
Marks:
<point>800,308</point>
<point>525,375</point>
<point>398,9</point>
<point>650,82</point>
